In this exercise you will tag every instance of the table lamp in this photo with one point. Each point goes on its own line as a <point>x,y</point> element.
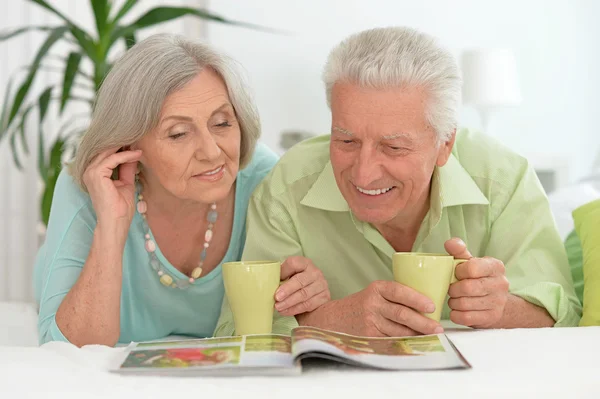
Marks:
<point>490,81</point>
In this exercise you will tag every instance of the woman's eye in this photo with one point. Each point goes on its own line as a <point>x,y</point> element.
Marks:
<point>175,136</point>
<point>223,124</point>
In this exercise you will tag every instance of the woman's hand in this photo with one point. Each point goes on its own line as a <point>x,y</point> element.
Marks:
<point>305,290</point>
<point>113,200</point>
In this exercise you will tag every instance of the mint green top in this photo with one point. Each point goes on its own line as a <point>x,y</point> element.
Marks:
<point>485,194</point>
<point>587,229</point>
<point>149,310</point>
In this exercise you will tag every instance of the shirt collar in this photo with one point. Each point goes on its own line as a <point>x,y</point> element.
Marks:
<point>325,194</point>
<point>451,186</point>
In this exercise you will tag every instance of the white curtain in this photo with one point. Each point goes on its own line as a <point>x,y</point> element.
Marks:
<point>20,190</point>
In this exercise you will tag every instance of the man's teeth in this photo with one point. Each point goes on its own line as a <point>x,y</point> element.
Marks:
<point>374,192</point>
<point>214,172</point>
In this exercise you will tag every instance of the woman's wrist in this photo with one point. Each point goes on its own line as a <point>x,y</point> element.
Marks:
<point>110,236</point>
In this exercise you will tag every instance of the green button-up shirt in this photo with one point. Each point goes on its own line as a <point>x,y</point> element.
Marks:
<point>485,194</point>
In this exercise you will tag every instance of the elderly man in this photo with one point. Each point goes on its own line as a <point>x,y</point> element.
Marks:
<point>396,176</point>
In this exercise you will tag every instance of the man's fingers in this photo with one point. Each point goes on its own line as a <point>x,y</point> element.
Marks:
<point>293,265</point>
<point>388,328</point>
<point>410,318</point>
<point>307,306</point>
<point>457,248</point>
<point>297,284</point>
<point>478,287</point>
<point>479,267</point>
<point>474,318</point>
<point>401,294</point>
<point>296,293</point>
<point>472,303</point>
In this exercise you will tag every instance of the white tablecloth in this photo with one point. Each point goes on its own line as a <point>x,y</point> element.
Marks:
<point>561,362</point>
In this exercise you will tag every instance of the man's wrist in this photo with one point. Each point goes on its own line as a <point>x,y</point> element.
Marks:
<point>313,318</point>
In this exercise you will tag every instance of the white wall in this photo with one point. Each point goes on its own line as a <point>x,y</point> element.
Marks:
<point>556,42</point>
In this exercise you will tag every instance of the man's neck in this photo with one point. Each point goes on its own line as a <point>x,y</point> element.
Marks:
<point>401,232</point>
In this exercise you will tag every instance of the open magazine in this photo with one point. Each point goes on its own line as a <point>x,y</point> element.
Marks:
<point>281,354</point>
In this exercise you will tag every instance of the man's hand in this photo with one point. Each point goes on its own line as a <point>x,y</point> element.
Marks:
<point>479,297</point>
<point>305,289</point>
<point>384,308</point>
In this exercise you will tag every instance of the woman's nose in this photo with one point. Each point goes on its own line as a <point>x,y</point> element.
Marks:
<point>208,149</point>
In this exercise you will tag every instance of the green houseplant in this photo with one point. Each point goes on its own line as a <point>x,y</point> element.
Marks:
<point>83,68</point>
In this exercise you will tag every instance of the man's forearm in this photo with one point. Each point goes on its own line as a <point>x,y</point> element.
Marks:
<point>518,313</point>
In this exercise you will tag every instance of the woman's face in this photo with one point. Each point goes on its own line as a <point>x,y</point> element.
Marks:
<point>194,152</point>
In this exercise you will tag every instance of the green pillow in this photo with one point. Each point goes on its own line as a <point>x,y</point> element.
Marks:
<point>575,255</point>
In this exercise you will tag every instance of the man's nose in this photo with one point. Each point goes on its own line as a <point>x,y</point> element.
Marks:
<point>367,168</point>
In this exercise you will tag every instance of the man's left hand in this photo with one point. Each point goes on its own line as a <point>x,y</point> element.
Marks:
<point>479,296</point>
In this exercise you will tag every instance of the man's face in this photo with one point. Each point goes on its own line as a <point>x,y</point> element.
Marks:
<point>383,151</point>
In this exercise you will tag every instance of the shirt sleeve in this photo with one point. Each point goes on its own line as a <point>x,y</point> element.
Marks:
<point>587,226</point>
<point>270,236</point>
<point>64,252</point>
<point>525,238</point>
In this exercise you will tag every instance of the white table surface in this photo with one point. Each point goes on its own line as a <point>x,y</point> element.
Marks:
<point>535,363</point>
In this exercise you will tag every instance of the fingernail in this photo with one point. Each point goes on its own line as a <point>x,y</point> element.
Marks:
<point>438,330</point>
<point>279,307</point>
<point>279,295</point>
<point>430,308</point>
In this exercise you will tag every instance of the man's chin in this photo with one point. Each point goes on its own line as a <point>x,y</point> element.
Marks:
<point>373,217</point>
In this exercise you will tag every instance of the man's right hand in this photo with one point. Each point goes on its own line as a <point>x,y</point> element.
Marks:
<point>384,308</point>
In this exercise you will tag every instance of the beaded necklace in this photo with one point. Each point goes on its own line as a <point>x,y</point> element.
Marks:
<point>150,245</point>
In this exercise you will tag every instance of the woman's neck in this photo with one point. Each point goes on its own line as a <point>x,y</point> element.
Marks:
<point>164,205</point>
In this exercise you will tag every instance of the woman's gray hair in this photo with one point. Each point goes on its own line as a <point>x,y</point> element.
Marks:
<point>400,57</point>
<point>130,100</point>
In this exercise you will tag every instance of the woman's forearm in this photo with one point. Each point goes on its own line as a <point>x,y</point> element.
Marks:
<point>90,312</point>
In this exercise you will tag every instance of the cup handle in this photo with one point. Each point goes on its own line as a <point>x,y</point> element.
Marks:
<point>457,262</point>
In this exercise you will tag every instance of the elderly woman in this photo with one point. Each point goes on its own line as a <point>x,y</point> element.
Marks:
<point>156,201</point>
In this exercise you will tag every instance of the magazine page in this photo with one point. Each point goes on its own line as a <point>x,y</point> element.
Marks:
<point>428,352</point>
<point>260,354</point>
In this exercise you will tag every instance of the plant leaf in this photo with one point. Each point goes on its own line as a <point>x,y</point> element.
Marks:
<point>22,128</point>
<point>42,155</point>
<point>54,167</point>
<point>82,37</point>
<point>14,151</point>
<point>159,15</point>
<point>43,103</point>
<point>24,89</point>
<point>85,41</point>
<point>101,10</point>
<point>55,12</point>
<point>130,40</point>
<point>124,10</point>
<point>3,120</point>
<point>5,35</point>
<point>69,77</point>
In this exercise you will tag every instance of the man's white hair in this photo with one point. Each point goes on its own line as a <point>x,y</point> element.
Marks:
<point>400,57</point>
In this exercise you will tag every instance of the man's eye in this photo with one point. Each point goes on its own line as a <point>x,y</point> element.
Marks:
<point>347,141</point>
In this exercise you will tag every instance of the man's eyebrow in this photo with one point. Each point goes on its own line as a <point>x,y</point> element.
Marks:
<point>342,130</point>
<point>397,136</point>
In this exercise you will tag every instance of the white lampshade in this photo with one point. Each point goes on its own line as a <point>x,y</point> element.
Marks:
<point>490,78</point>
